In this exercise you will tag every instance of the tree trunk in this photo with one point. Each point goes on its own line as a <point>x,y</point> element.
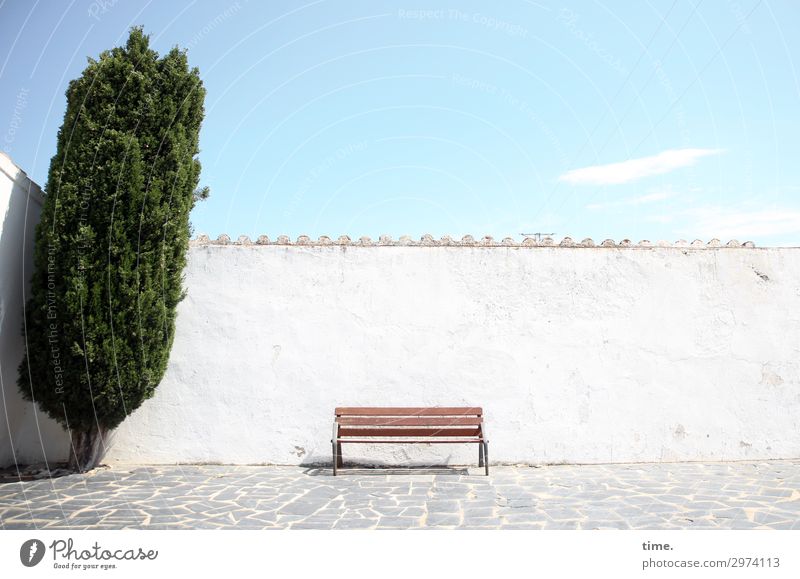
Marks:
<point>88,448</point>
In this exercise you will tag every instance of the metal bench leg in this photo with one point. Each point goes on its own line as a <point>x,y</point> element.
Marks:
<point>486,455</point>
<point>480,454</point>
<point>336,447</point>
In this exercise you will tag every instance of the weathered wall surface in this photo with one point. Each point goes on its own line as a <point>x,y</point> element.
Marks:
<point>26,435</point>
<point>577,354</point>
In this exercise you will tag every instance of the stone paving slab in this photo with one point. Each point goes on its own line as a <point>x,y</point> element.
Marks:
<point>739,495</point>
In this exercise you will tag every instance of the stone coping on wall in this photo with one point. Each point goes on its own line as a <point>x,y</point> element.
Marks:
<point>466,241</point>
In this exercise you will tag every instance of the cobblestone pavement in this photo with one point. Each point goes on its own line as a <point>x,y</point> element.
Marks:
<point>763,495</point>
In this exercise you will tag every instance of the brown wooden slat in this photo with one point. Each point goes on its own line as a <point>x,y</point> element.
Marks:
<point>405,421</point>
<point>409,432</point>
<point>419,441</point>
<point>409,411</point>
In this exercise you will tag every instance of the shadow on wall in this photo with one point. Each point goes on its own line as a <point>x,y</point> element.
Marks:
<point>27,435</point>
<point>418,459</point>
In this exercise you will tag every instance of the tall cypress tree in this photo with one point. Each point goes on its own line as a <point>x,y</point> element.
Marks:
<point>112,241</point>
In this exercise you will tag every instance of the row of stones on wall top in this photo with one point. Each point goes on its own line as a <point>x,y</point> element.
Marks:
<point>466,241</point>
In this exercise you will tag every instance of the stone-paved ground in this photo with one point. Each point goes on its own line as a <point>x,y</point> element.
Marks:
<point>643,496</point>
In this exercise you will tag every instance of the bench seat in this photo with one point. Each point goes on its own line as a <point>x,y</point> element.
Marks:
<point>409,425</point>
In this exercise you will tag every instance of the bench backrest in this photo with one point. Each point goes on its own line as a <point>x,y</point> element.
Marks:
<point>435,421</point>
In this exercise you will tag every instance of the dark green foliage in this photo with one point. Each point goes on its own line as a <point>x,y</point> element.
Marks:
<point>111,245</point>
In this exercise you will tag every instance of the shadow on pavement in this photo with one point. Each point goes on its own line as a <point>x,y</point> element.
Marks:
<point>382,471</point>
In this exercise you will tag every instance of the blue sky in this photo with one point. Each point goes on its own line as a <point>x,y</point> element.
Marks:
<point>640,120</point>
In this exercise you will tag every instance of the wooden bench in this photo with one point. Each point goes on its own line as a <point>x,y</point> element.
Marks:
<point>437,425</point>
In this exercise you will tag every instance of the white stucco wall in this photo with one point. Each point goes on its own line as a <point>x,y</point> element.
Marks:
<point>26,435</point>
<point>576,354</point>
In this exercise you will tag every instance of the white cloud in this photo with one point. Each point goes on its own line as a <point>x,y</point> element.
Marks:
<point>651,196</point>
<point>727,224</point>
<point>661,218</point>
<point>635,169</point>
